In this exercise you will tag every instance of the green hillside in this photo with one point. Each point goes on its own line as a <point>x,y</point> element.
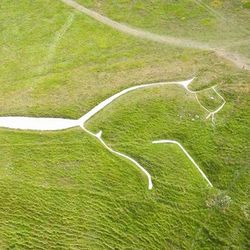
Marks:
<point>63,189</point>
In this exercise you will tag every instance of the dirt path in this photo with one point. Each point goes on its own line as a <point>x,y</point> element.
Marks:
<point>238,60</point>
<point>135,31</point>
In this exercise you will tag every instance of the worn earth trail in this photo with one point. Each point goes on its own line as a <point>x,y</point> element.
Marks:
<point>236,59</point>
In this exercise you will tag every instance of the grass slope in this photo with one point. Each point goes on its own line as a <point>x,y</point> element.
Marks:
<point>217,22</point>
<point>63,190</point>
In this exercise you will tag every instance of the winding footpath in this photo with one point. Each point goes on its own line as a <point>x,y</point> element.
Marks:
<point>50,124</point>
<point>238,60</point>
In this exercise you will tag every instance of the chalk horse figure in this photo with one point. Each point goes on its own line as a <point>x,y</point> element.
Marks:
<point>52,124</point>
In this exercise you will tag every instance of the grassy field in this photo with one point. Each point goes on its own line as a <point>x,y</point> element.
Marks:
<point>63,190</point>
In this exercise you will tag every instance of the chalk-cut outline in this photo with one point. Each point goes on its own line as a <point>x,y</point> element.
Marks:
<point>30,123</point>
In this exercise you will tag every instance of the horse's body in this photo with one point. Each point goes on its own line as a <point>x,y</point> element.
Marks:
<point>50,124</point>
<point>32,123</point>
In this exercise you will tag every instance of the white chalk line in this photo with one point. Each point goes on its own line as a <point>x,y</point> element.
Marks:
<point>43,124</point>
<point>103,104</point>
<point>188,155</point>
<point>236,59</point>
<point>210,113</point>
<point>50,124</point>
<point>98,136</point>
<point>37,123</point>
